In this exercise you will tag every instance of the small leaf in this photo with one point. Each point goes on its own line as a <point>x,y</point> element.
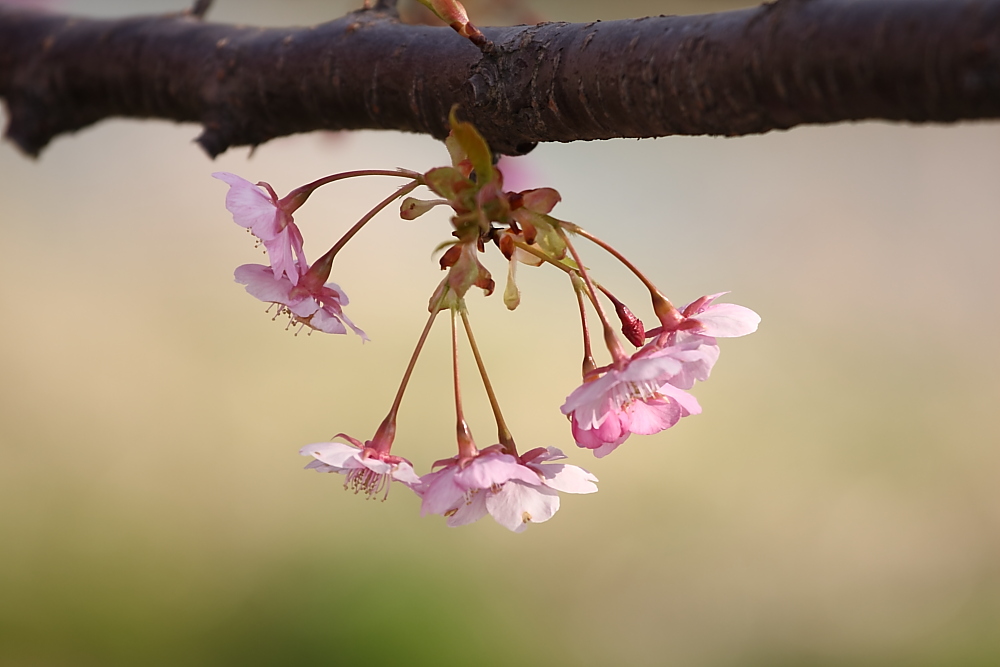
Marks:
<point>475,147</point>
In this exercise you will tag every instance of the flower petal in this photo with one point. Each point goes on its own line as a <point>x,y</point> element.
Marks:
<point>727,320</point>
<point>250,205</point>
<point>323,320</point>
<point>354,328</point>
<point>336,454</point>
<point>471,510</point>
<point>403,472</point>
<point>590,402</point>
<point>567,478</point>
<point>516,505</point>
<point>687,402</point>
<point>260,283</point>
<point>610,431</point>
<point>439,492</point>
<point>494,469</point>
<point>606,449</point>
<point>319,466</point>
<point>652,416</point>
<point>549,454</point>
<point>279,249</point>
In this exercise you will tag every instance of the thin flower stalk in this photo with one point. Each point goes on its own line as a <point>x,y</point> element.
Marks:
<point>466,446</point>
<point>349,234</point>
<point>588,354</point>
<point>610,339</point>
<point>503,433</point>
<point>409,368</point>
<point>665,311</point>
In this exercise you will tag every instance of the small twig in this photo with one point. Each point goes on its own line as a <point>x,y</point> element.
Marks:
<point>200,8</point>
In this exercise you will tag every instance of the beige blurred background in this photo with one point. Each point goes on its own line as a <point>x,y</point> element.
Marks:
<point>838,502</point>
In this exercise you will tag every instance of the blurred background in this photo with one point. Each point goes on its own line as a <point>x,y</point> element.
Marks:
<point>838,502</point>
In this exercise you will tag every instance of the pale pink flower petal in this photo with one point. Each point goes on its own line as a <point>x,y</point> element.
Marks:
<point>610,431</point>
<point>252,206</point>
<point>516,505</point>
<point>259,211</point>
<point>401,471</point>
<point>335,454</point>
<point>652,416</point>
<point>283,250</point>
<point>327,323</point>
<point>471,510</point>
<point>688,403</point>
<point>559,476</point>
<point>696,363</point>
<point>568,479</point>
<point>513,492</point>
<point>605,449</point>
<point>728,320</point>
<point>319,309</point>
<point>543,455</point>
<point>724,320</point>
<point>492,469</point>
<point>352,326</point>
<point>689,357</point>
<point>439,493</point>
<point>366,469</point>
<point>260,282</point>
<point>639,397</point>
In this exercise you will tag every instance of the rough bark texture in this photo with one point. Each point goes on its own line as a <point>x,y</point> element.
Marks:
<point>731,73</point>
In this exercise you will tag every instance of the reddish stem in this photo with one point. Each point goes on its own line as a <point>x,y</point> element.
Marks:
<point>610,339</point>
<point>665,311</point>
<point>466,446</point>
<point>503,433</point>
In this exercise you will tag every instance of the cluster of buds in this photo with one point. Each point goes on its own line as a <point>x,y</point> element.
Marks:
<point>643,393</point>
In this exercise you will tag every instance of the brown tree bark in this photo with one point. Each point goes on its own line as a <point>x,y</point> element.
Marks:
<point>780,65</point>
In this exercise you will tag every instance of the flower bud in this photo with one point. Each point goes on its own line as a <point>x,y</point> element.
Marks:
<point>632,326</point>
<point>413,208</point>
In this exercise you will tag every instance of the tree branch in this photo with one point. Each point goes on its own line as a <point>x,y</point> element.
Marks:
<point>732,73</point>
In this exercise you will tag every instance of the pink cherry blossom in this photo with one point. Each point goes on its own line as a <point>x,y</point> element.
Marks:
<point>514,492</point>
<point>706,318</point>
<point>645,396</point>
<point>721,320</point>
<point>258,208</point>
<point>319,306</point>
<point>367,469</point>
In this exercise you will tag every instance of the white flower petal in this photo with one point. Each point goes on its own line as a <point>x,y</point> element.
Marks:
<point>470,511</point>
<point>567,478</point>
<point>728,320</point>
<point>517,505</point>
<point>403,472</point>
<point>335,454</point>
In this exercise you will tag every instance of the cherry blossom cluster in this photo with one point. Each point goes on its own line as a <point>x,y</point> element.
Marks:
<point>642,393</point>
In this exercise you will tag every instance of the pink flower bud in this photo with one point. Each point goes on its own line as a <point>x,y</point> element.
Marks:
<point>632,326</point>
